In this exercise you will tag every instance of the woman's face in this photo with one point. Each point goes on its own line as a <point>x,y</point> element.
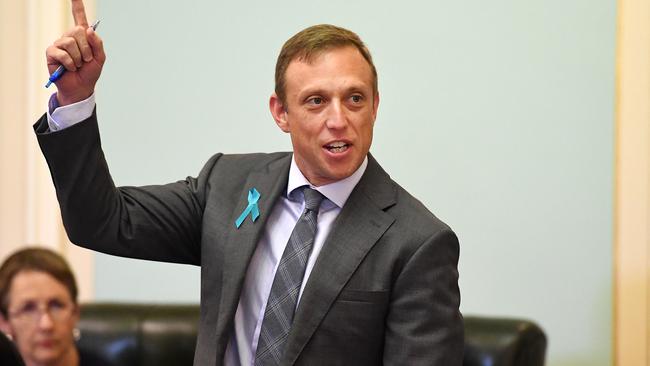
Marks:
<point>41,317</point>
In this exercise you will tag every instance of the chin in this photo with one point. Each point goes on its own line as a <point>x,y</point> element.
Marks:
<point>46,356</point>
<point>340,174</point>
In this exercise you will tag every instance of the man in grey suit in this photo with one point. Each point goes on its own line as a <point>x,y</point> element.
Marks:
<point>314,257</point>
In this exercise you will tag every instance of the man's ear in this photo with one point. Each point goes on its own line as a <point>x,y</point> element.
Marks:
<point>375,106</point>
<point>279,112</point>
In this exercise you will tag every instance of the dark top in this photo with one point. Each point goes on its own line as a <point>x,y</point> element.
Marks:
<point>9,355</point>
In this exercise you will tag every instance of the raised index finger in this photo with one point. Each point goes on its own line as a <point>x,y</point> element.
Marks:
<point>79,13</point>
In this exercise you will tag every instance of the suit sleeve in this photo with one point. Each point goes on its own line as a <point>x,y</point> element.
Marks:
<point>161,223</point>
<point>424,325</point>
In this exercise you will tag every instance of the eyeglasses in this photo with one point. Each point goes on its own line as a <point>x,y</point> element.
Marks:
<point>32,312</point>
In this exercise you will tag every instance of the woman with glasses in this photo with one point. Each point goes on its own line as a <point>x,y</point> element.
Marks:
<point>38,308</point>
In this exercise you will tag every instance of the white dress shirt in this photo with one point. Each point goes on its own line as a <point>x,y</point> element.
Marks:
<point>59,118</point>
<point>261,269</point>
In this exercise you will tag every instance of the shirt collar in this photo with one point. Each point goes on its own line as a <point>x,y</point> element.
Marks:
<point>337,192</point>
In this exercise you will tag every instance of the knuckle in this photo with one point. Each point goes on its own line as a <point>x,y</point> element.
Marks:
<point>79,29</point>
<point>68,63</point>
<point>67,42</point>
<point>75,32</point>
<point>53,52</point>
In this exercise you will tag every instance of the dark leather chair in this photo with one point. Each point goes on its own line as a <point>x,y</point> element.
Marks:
<point>161,335</point>
<point>503,342</point>
<point>139,334</point>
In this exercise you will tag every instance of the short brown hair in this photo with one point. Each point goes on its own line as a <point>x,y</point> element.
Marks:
<point>34,259</point>
<point>311,42</point>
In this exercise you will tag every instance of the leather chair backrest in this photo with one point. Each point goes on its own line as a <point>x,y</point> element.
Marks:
<point>165,335</point>
<point>139,334</point>
<point>503,342</point>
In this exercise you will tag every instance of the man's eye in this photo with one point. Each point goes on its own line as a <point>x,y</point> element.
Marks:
<point>316,100</point>
<point>356,98</point>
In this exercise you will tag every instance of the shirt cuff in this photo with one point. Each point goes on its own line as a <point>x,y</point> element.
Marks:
<point>60,118</point>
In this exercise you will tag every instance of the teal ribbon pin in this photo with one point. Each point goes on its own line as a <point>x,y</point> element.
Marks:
<point>252,208</point>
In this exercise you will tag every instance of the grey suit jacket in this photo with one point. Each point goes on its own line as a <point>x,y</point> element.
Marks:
<point>384,289</point>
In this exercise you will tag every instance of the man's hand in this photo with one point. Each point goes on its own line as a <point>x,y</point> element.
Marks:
<point>81,52</point>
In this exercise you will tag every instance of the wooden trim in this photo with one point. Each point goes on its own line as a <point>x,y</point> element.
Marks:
<point>12,98</point>
<point>632,186</point>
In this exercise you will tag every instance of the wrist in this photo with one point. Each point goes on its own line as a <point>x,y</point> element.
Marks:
<point>64,99</point>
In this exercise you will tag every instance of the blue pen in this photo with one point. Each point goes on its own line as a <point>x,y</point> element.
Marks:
<point>56,75</point>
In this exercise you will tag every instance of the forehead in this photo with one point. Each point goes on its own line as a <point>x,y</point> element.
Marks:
<point>36,286</point>
<point>338,67</point>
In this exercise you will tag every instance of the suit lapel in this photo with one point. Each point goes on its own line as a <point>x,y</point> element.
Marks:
<point>270,181</point>
<point>358,227</point>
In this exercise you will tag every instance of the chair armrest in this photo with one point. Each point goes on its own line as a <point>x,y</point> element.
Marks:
<point>503,342</point>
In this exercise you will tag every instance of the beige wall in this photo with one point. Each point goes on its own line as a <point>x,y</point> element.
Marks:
<point>632,195</point>
<point>29,213</point>
<point>12,130</point>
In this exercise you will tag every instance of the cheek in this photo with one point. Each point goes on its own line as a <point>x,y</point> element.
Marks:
<point>308,131</point>
<point>305,138</point>
<point>64,334</point>
<point>23,342</point>
<point>364,129</point>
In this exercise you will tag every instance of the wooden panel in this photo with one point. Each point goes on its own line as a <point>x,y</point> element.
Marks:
<point>632,192</point>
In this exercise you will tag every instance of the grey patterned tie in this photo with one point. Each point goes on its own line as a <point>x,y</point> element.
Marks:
<point>281,304</point>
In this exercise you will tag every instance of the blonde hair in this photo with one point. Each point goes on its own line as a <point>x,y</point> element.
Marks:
<point>311,42</point>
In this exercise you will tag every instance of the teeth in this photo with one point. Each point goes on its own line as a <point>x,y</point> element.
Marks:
<point>336,144</point>
<point>337,147</point>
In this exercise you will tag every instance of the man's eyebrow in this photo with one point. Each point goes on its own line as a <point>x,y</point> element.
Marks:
<point>358,88</point>
<point>314,90</point>
<point>355,89</point>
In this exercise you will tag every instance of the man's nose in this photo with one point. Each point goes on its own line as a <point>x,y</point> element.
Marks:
<point>337,117</point>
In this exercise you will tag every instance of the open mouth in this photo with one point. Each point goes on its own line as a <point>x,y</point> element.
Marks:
<point>337,147</point>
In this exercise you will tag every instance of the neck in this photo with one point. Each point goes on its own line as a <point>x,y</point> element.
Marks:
<point>69,358</point>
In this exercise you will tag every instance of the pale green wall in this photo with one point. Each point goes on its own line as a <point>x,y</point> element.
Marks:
<point>498,115</point>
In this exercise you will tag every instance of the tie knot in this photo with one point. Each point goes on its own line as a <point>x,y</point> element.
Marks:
<point>313,198</point>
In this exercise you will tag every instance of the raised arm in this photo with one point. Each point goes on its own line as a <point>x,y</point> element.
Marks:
<point>157,222</point>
